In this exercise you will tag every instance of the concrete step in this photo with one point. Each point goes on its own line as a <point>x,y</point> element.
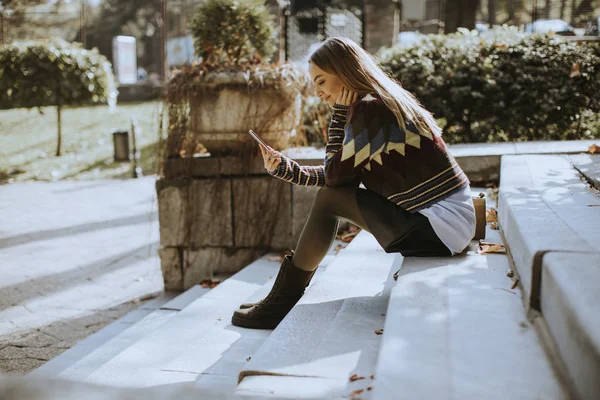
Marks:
<point>570,306</point>
<point>456,330</point>
<point>80,370</point>
<point>88,345</point>
<point>544,206</point>
<point>330,334</point>
<point>221,377</point>
<point>193,340</point>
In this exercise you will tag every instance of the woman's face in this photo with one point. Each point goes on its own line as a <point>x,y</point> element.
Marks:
<point>328,86</point>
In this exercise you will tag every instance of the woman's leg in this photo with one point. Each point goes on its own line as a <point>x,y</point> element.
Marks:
<point>330,204</point>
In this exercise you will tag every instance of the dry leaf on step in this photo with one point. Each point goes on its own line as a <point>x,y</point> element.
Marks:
<point>357,392</point>
<point>491,215</point>
<point>510,273</point>
<point>515,283</point>
<point>348,237</point>
<point>494,226</point>
<point>369,387</point>
<point>485,248</point>
<point>274,258</point>
<point>379,331</point>
<point>356,377</point>
<point>209,283</point>
<point>593,149</point>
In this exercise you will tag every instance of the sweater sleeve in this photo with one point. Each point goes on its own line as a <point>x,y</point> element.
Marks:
<point>290,171</point>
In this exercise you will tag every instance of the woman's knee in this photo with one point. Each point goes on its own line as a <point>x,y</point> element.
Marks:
<point>334,193</point>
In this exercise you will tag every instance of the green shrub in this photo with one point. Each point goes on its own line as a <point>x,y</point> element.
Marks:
<point>37,74</point>
<point>53,73</point>
<point>232,32</point>
<point>504,86</point>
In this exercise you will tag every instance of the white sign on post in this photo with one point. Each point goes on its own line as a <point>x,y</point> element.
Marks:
<point>125,59</point>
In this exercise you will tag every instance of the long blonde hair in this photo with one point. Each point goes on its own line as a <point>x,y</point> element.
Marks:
<point>358,71</point>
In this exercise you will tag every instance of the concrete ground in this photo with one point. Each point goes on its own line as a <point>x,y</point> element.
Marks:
<point>74,256</point>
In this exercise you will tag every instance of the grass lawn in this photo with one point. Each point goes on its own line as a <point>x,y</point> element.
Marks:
<point>28,142</point>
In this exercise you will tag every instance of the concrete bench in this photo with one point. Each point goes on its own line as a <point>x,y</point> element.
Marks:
<point>544,206</point>
<point>551,221</point>
<point>456,330</point>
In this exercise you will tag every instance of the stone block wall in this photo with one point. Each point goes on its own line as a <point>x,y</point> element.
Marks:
<point>224,216</point>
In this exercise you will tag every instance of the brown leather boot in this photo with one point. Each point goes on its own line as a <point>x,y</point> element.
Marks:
<point>287,290</point>
<point>249,305</point>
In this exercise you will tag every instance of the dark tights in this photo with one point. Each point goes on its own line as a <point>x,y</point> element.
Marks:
<point>330,204</point>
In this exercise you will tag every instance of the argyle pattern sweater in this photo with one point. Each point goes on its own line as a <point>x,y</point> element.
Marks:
<point>411,169</point>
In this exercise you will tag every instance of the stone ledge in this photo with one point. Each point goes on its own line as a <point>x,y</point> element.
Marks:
<point>544,206</point>
<point>570,307</point>
<point>454,323</point>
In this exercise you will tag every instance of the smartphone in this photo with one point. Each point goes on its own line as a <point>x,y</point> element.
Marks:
<point>257,138</point>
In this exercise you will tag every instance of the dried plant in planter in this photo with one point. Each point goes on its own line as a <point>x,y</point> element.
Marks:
<point>212,104</point>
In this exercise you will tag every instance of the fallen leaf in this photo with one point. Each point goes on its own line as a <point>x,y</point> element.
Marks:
<point>209,283</point>
<point>249,358</point>
<point>575,72</point>
<point>274,258</point>
<point>369,387</point>
<point>379,331</point>
<point>357,391</point>
<point>485,248</point>
<point>510,273</point>
<point>372,376</point>
<point>593,149</point>
<point>515,283</point>
<point>356,377</point>
<point>396,275</point>
<point>491,215</point>
<point>494,226</point>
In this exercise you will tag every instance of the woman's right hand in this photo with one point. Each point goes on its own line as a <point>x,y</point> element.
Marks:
<point>346,97</point>
<point>271,158</point>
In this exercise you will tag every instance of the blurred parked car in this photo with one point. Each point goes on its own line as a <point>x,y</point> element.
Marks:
<point>557,26</point>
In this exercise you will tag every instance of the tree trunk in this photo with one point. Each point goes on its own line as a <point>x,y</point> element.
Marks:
<point>58,112</point>
<point>563,6</point>
<point>492,12</point>
<point>460,13</point>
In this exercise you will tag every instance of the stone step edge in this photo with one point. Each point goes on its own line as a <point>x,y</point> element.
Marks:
<point>353,247</point>
<point>97,339</point>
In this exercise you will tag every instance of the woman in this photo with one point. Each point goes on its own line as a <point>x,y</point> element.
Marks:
<point>416,201</point>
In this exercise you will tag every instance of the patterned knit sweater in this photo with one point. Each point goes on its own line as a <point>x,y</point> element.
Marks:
<point>410,169</point>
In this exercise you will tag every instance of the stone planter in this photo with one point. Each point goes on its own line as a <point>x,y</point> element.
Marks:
<point>226,106</point>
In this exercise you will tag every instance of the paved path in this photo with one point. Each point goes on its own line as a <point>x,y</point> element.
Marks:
<point>71,254</point>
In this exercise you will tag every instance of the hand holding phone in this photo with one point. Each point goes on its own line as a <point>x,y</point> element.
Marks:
<point>258,139</point>
<point>271,158</point>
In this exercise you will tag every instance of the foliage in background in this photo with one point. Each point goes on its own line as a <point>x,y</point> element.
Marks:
<point>230,32</point>
<point>54,73</point>
<point>504,86</point>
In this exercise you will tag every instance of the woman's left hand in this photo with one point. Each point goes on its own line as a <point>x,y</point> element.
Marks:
<point>346,97</point>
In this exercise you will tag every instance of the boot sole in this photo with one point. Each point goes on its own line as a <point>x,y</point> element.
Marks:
<point>254,323</point>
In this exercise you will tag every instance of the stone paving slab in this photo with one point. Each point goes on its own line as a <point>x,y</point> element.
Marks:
<point>68,251</point>
<point>545,206</point>
<point>456,330</point>
<point>589,166</point>
<point>570,305</point>
<point>330,334</point>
